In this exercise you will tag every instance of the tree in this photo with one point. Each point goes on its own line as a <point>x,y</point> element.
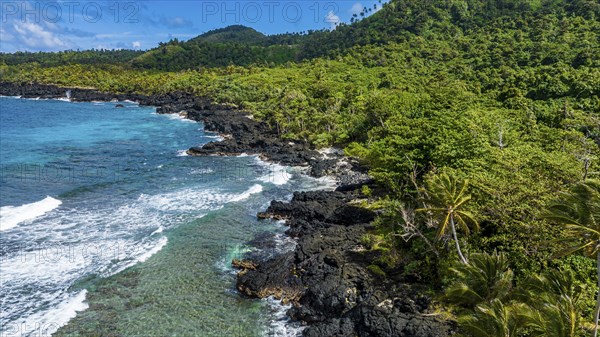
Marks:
<point>553,303</point>
<point>493,320</point>
<point>485,278</point>
<point>447,197</point>
<point>579,212</point>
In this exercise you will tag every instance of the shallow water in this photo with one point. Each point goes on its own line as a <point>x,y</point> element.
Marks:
<point>106,223</point>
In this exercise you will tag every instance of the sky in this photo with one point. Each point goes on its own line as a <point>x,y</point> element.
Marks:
<point>113,24</point>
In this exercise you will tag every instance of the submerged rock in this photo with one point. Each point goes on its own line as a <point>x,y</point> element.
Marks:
<point>244,265</point>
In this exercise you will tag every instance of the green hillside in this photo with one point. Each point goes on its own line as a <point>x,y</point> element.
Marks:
<point>90,57</point>
<point>233,34</point>
<point>399,21</point>
<point>501,97</point>
<point>233,45</point>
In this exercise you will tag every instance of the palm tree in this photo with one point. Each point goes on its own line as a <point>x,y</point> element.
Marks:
<point>495,319</point>
<point>485,278</point>
<point>579,212</point>
<point>557,319</point>
<point>553,303</point>
<point>448,196</point>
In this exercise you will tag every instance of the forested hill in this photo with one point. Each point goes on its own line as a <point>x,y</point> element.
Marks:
<point>248,36</point>
<point>233,45</point>
<point>89,57</point>
<point>395,21</point>
<point>400,20</point>
<point>233,34</point>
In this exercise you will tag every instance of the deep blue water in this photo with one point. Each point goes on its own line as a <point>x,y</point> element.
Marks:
<point>93,192</point>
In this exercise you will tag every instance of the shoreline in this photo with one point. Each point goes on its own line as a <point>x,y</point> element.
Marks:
<point>326,277</point>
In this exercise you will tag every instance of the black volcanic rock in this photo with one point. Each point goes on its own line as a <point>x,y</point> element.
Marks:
<point>338,295</point>
<point>245,135</point>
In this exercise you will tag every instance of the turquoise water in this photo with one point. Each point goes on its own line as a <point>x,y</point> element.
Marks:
<point>107,225</point>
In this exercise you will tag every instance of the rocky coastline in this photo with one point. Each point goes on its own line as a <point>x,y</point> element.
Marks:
<point>326,276</point>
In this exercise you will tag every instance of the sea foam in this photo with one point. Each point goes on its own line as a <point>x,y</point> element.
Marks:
<point>279,323</point>
<point>159,245</point>
<point>256,188</point>
<point>11,216</point>
<point>48,322</point>
<point>277,174</point>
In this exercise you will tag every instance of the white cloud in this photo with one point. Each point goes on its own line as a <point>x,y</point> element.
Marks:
<point>136,44</point>
<point>357,8</point>
<point>36,37</point>
<point>332,19</point>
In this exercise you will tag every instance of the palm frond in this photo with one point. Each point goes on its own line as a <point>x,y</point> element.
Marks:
<point>493,320</point>
<point>486,277</point>
<point>578,212</point>
<point>443,227</point>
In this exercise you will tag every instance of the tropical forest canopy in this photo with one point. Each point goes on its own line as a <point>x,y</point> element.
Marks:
<point>500,98</point>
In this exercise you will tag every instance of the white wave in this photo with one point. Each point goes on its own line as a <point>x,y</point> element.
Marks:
<point>15,97</point>
<point>63,99</point>
<point>11,216</point>
<point>182,153</point>
<point>48,322</point>
<point>278,174</point>
<point>180,116</point>
<point>187,200</point>
<point>284,243</point>
<point>191,200</point>
<point>149,248</point>
<point>47,268</point>
<point>279,324</point>
<point>256,188</point>
<point>209,136</point>
<point>160,229</point>
<point>328,183</point>
<point>161,243</point>
<point>131,102</point>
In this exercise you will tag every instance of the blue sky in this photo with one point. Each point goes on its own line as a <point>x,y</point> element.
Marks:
<point>72,24</point>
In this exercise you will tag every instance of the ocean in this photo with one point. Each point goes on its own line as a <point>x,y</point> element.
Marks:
<point>108,228</point>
